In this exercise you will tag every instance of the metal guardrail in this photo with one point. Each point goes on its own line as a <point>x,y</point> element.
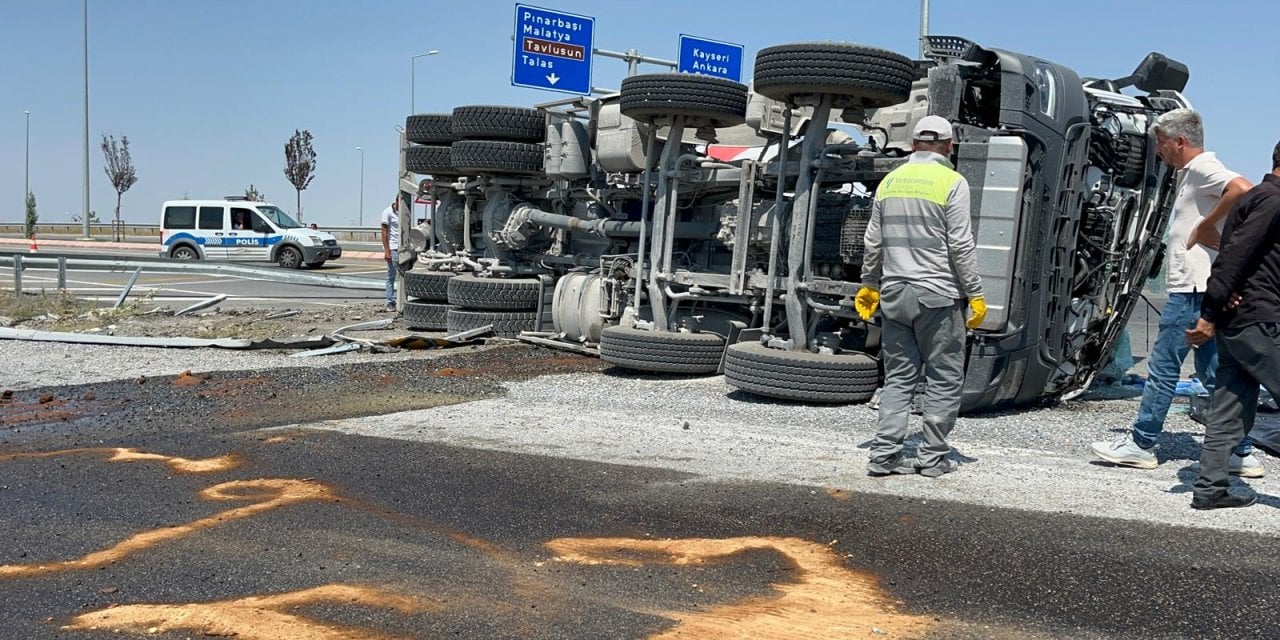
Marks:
<point>165,265</point>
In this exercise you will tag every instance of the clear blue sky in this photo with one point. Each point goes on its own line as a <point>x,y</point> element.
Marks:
<point>208,92</point>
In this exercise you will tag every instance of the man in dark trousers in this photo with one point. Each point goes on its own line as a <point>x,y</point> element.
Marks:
<point>921,271</point>
<point>1241,312</point>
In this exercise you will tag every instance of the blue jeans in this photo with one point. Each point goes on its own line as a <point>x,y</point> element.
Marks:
<point>1164,367</point>
<point>391,277</point>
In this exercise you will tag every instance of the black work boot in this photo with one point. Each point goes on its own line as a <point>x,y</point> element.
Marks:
<point>1222,501</point>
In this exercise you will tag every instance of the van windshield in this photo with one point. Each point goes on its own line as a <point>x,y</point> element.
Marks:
<point>278,217</point>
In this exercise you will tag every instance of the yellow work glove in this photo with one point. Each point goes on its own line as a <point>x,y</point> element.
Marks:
<point>978,309</point>
<point>866,302</point>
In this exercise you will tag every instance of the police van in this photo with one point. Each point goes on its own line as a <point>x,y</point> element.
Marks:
<point>241,230</point>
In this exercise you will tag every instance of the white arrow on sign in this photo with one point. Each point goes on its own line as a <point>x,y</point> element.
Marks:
<point>553,78</point>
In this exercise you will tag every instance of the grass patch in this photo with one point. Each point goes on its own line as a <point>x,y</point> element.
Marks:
<point>68,312</point>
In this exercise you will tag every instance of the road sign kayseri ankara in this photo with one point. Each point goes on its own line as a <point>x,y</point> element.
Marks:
<point>710,58</point>
<point>552,50</point>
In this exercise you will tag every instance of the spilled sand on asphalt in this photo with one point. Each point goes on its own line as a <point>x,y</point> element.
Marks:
<point>251,618</point>
<point>269,494</point>
<point>824,600</point>
<point>121,454</point>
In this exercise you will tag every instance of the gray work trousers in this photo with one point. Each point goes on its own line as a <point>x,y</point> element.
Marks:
<point>1247,357</point>
<point>923,334</point>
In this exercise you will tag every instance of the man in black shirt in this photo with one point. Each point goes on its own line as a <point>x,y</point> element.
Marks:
<point>1241,311</point>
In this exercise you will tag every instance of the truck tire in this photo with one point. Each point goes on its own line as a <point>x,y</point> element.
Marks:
<point>801,376</point>
<point>430,160</point>
<point>506,324</point>
<point>429,128</point>
<point>661,351</point>
<point>426,316</point>
<point>472,292</point>
<point>873,77</point>
<point>428,286</point>
<point>722,102</point>
<point>488,156</point>
<point>1131,160</point>
<point>289,257</point>
<point>487,122</point>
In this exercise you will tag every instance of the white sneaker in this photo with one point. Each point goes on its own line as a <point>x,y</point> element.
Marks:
<point>1124,451</point>
<point>1246,467</point>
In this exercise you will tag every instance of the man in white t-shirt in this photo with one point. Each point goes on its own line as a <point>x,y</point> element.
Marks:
<point>391,247</point>
<point>1207,191</point>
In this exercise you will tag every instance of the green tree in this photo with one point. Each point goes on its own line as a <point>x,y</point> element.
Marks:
<point>118,166</point>
<point>32,217</point>
<point>299,163</point>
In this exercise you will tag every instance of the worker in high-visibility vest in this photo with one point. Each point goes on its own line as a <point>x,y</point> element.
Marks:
<point>920,272</point>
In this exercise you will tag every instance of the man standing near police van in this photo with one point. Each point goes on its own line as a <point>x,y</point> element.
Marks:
<point>919,270</point>
<point>391,248</point>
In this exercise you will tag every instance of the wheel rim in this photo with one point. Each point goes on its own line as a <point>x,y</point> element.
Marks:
<point>289,258</point>
<point>184,253</point>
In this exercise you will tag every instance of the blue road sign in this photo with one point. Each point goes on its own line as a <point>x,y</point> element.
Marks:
<point>552,50</point>
<point>710,58</point>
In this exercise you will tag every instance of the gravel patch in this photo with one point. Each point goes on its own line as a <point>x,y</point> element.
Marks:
<point>1036,459</point>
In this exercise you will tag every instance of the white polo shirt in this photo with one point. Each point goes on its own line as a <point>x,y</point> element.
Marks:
<point>1200,187</point>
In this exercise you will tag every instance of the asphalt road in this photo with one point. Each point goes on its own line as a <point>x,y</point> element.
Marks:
<point>181,288</point>
<point>225,518</point>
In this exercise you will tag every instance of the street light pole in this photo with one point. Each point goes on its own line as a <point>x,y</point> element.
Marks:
<point>26,181</point>
<point>413,76</point>
<point>924,25</point>
<point>361,186</point>
<point>84,210</point>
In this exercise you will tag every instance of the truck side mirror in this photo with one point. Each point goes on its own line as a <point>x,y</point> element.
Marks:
<point>1160,73</point>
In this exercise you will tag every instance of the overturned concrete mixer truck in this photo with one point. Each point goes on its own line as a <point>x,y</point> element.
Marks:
<point>695,225</point>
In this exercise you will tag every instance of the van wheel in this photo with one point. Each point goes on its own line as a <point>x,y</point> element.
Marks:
<point>184,252</point>
<point>289,258</point>
<point>315,265</point>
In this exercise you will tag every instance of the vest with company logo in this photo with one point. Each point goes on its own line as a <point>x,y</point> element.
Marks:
<point>920,231</point>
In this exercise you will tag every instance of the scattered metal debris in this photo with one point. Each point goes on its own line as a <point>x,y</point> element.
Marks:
<point>133,279</point>
<point>469,333</point>
<point>343,347</point>
<point>203,304</point>
<point>543,338</point>
<point>171,343</point>
<point>287,313</point>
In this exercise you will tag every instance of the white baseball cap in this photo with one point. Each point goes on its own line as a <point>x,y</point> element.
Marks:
<point>932,128</point>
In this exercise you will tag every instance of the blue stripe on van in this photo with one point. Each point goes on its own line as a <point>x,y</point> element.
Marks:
<point>182,236</point>
<point>247,241</point>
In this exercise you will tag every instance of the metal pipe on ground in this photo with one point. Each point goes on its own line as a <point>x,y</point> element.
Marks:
<point>127,287</point>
